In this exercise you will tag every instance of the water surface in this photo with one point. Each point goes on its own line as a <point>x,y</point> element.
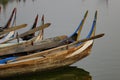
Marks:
<point>103,63</point>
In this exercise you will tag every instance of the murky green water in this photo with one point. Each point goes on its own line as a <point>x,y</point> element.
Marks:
<point>65,15</point>
<point>67,73</point>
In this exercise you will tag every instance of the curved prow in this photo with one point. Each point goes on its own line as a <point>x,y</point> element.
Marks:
<point>42,23</point>
<point>10,19</point>
<point>83,21</point>
<point>42,20</point>
<point>30,36</point>
<point>39,37</point>
<point>92,31</point>
<point>75,36</point>
<point>79,29</point>
<point>35,22</point>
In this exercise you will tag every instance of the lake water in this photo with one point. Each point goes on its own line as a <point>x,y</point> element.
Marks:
<point>65,15</point>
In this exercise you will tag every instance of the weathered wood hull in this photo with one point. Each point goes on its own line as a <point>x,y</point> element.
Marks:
<point>7,36</point>
<point>31,46</point>
<point>55,58</point>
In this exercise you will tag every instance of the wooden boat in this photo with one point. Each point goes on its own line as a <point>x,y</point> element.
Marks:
<point>25,34</point>
<point>8,31</point>
<point>44,44</point>
<point>50,59</point>
<point>89,37</point>
<point>28,32</point>
<point>27,37</point>
<point>10,34</point>
<point>9,20</point>
<point>28,42</point>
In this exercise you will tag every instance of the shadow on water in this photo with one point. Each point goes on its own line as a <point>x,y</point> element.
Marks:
<point>66,73</point>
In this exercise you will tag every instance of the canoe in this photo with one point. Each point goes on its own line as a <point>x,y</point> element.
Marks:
<point>10,34</point>
<point>24,34</point>
<point>28,42</point>
<point>44,44</point>
<point>50,59</point>
<point>30,46</point>
<point>27,34</point>
<point>35,39</point>
<point>89,37</point>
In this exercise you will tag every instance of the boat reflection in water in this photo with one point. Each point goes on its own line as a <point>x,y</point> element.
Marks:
<point>4,3</point>
<point>66,73</point>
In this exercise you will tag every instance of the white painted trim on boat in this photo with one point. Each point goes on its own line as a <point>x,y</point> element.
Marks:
<point>9,35</point>
<point>86,45</point>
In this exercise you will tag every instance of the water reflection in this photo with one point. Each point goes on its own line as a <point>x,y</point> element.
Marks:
<point>5,2</point>
<point>106,2</point>
<point>68,73</point>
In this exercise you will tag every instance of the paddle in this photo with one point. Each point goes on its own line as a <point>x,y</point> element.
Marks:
<point>13,28</point>
<point>30,32</point>
<point>91,38</point>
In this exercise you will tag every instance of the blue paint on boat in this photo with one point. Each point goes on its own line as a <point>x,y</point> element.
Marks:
<point>4,61</point>
<point>91,31</point>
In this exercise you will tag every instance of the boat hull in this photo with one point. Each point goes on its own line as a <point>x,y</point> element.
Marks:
<point>51,61</point>
<point>30,46</point>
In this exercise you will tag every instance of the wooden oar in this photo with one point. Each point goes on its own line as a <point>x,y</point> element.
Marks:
<point>13,28</point>
<point>34,55</point>
<point>91,38</point>
<point>30,32</point>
